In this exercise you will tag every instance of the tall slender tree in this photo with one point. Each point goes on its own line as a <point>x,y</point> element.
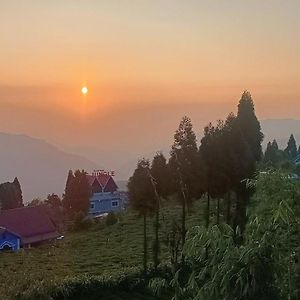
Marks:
<point>160,178</point>
<point>183,163</point>
<point>249,126</point>
<point>291,149</point>
<point>141,197</point>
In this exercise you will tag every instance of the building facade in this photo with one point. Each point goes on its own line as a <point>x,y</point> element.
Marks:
<point>105,196</point>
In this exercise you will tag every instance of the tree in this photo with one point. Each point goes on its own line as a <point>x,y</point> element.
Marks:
<point>53,201</point>
<point>141,198</point>
<point>18,191</point>
<point>183,164</point>
<point>11,195</point>
<point>249,126</point>
<point>271,154</point>
<point>68,196</point>
<point>160,177</point>
<point>212,150</point>
<point>275,145</point>
<point>291,148</point>
<point>77,193</point>
<point>35,202</point>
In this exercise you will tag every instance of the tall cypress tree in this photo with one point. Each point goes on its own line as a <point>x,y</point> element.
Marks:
<point>249,125</point>
<point>291,148</point>
<point>250,129</point>
<point>275,145</point>
<point>183,163</point>
<point>141,198</point>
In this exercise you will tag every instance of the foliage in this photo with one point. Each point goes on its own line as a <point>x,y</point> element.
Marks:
<point>77,193</point>
<point>11,195</point>
<point>265,266</point>
<point>291,149</point>
<point>111,219</point>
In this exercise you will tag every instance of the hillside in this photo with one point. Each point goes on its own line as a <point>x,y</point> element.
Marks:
<point>98,251</point>
<point>41,167</point>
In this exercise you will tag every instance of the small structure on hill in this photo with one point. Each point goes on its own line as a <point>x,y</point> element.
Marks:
<point>31,225</point>
<point>105,196</point>
<point>9,241</point>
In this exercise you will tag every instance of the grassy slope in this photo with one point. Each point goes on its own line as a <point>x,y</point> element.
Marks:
<point>97,251</point>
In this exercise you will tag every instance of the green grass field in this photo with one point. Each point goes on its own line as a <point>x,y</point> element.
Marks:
<point>97,251</point>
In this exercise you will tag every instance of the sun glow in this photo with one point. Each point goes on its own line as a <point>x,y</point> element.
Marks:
<point>84,90</point>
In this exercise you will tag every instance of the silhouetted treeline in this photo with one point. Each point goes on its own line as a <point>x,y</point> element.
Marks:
<point>217,168</point>
<point>286,159</point>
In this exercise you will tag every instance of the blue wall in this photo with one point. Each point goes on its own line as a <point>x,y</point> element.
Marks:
<point>9,239</point>
<point>103,203</point>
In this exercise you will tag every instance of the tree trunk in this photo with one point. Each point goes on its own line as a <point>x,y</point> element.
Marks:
<point>228,210</point>
<point>156,242</point>
<point>218,211</point>
<point>183,229</point>
<point>207,210</point>
<point>145,245</point>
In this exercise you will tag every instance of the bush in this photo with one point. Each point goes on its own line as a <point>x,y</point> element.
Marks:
<point>111,219</point>
<point>81,222</point>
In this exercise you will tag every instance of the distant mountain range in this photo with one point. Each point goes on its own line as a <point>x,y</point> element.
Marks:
<point>42,168</point>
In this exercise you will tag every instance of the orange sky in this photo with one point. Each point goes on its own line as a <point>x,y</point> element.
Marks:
<point>146,64</point>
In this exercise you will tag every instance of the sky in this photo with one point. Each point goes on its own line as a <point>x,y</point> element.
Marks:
<point>146,64</point>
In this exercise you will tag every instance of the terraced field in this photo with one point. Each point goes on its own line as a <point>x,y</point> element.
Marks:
<point>98,251</point>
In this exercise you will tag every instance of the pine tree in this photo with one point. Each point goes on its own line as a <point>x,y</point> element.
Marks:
<point>275,145</point>
<point>183,164</point>
<point>250,129</point>
<point>268,156</point>
<point>249,125</point>
<point>77,193</point>
<point>271,155</point>
<point>141,198</point>
<point>291,148</point>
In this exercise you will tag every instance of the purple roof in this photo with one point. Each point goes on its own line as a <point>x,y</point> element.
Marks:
<point>28,222</point>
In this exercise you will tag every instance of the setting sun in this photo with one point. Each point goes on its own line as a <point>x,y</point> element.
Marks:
<point>84,90</point>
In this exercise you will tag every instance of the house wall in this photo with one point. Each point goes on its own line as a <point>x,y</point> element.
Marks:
<point>9,239</point>
<point>102,203</point>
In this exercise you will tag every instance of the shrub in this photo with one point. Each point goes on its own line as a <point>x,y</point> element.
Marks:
<point>111,219</point>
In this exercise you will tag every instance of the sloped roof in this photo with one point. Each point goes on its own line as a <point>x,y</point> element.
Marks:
<point>3,230</point>
<point>28,222</point>
<point>103,179</point>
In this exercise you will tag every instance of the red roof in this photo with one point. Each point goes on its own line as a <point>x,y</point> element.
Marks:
<point>30,223</point>
<point>103,179</point>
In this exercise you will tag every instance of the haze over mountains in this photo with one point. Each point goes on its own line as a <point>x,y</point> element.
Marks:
<point>42,168</point>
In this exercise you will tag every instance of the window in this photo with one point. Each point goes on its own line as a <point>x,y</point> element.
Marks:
<point>92,205</point>
<point>115,203</point>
